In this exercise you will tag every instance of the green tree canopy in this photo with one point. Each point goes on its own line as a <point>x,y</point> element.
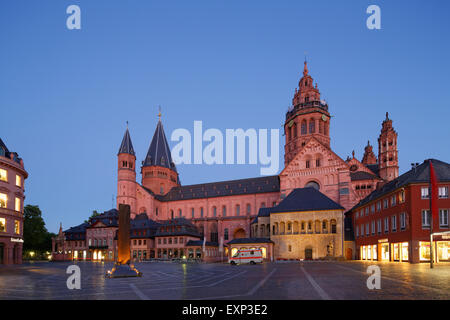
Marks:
<point>35,234</point>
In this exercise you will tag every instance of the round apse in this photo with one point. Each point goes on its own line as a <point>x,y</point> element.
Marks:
<point>312,184</point>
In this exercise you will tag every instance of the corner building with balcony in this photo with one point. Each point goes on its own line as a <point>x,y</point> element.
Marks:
<point>12,180</point>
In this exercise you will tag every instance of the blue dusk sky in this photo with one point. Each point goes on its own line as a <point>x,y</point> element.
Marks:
<point>65,95</point>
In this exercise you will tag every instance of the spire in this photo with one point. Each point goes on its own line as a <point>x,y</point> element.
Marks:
<point>369,156</point>
<point>126,146</point>
<point>159,152</point>
<point>305,69</point>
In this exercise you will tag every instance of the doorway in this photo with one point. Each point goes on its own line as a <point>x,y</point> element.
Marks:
<point>308,254</point>
<point>349,254</point>
<point>1,253</point>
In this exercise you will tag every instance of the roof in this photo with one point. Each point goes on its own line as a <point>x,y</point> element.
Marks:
<point>77,232</point>
<point>177,227</point>
<point>306,199</point>
<point>374,168</point>
<point>6,153</point>
<point>108,218</point>
<point>222,188</point>
<point>159,152</point>
<point>126,146</point>
<point>199,243</point>
<point>362,175</point>
<point>263,212</point>
<point>250,240</point>
<point>420,174</point>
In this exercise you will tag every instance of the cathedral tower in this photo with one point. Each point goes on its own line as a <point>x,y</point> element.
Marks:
<point>159,173</point>
<point>387,151</point>
<point>126,175</point>
<point>308,117</point>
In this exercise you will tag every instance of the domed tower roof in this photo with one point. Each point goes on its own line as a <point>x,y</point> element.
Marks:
<point>159,152</point>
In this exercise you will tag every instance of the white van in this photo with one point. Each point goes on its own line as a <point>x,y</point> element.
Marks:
<point>251,256</point>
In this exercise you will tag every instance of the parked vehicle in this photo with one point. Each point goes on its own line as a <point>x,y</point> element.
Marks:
<point>252,256</point>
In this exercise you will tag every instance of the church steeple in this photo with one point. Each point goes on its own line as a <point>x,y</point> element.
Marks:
<point>159,152</point>
<point>388,152</point>
<point>308,117</point>
<point>159,173</point>
<point>126,146</point>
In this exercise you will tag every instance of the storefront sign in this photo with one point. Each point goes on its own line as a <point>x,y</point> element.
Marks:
<point>16,240</point>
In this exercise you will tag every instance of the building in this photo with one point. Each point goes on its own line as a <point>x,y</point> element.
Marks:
<point>224,211</point>
<point>12,195</point>
<point>393,222</point>
<point>305,225</point>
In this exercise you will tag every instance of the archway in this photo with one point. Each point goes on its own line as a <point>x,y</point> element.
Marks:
<point>239,233</point>
<point>308,253</point>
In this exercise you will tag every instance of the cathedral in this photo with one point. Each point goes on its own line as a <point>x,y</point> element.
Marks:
<point>226,208</point>
<point>309,196</point>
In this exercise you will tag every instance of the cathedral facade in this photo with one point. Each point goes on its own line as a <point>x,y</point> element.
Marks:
<point>223,211</point>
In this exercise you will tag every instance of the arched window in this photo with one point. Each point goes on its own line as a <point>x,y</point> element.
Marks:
<point>333,226</point>
<point>238,210</point>
<point>312,126</point>
<point>225,234</point>
<point>303,127</point>
<point>312,184</point>
<point>180,214</point>
<point>263,204</point>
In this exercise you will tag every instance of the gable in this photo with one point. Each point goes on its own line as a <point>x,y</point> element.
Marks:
<point>356,166</point>
<point>313,148</point>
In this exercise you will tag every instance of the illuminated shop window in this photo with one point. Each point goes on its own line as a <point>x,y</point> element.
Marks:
<point>375,252</point>
<point>405,251</point>
<point>3,175</point>
<point>17,204</point>
<point>385,251</point>
<point>424,251</point>
<point>3,200</point>
<point>363,252</point>
<point>2,225</point>
<point>369,252</point>
<point>18,181</point>
<point>396,251</point>
<point>443,250</point>
<point>16,227</point>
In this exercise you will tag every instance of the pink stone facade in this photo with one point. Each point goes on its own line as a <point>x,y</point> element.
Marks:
<point>12,195</point>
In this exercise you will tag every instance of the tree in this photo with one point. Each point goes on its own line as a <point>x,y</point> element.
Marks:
<point>35,234</point>
<point>93,215</point>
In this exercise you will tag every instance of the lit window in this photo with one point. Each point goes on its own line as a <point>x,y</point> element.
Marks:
<point>16,227</point>
<point>3,200</point>
<point>2,225</point>
<point>3,175</point>
<point>17,204</point>
<point>18,181</point>
<point>401,197</point>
